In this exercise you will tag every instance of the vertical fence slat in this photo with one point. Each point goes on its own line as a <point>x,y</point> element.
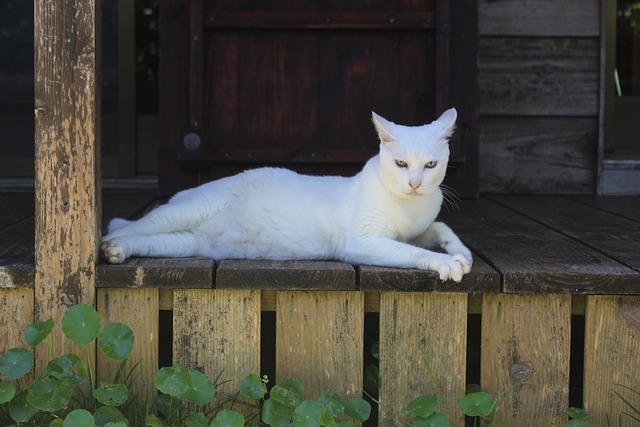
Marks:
<point>526,338</point>
<point>218,332</point>
<point>319,341</point>
<point>138,309</point>
<point>430,324</point>
<point>612,357</point>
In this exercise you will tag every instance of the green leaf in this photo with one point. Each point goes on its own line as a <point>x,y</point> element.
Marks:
<point>153,421</point>
<point>275,413</point>
<point>15,363</point>
<point>111,394</point>
<point>108,414</point>
<point>358,409</point>
<point>116,341</point>
<point>577,423</point>
<point>169,406</point>
<point>423,406</point>
<point>201,390</point>
<point>36,332</point>
<point>333,403</point>
<point>197,419</point>
<point>375,350</point>
<point>7,391</point>
<point>433,420</point>
<point>20,409</point>
<point>79,418</point>
<point>478,404</point>
<point>173,380</point>
<point>81,324</point>
<point>288,393</point>
<point>578,413</point>
<point>116,424</point>
<point>228,418</point>
<point>473,388</point>
<point>372,380</point>
<point>252,387</point>
<point>50,394</point>
<point>308,414</point>
<point>68,366</point>
<point>58,422</point>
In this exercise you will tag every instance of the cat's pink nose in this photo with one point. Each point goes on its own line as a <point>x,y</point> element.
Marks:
<point>415,185</point>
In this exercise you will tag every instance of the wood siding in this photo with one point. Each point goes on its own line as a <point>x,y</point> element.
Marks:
<point>538,78</point>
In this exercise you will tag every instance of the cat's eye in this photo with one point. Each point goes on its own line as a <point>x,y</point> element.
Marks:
<point>432,164</point>
<point>401,163</point>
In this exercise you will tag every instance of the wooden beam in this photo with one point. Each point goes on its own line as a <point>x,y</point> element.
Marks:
<point>67,147</point>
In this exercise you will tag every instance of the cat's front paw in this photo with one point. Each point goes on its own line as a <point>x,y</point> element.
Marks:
<point>450,267</point>
<point>113,252</point>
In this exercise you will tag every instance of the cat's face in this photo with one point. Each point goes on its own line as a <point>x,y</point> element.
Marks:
<point>413,159</point>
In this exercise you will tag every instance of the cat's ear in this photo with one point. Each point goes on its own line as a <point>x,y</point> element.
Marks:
<point>384,127</point>
<point>446,123</point>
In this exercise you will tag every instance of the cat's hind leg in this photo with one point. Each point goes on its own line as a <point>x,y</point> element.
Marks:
<point>170,245</point>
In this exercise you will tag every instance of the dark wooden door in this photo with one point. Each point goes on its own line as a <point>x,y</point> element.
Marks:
<point>293,83</point>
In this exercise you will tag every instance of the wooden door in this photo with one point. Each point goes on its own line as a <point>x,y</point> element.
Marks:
<point>292,83</point>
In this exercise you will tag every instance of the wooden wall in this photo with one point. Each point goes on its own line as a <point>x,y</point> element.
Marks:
<point>539,71</point>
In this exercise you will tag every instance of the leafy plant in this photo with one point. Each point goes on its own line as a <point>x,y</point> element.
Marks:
<point>577,418</point>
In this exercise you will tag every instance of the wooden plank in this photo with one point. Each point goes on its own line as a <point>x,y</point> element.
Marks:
<point>626,206</point>
<point>16,255</point>
<point>611,357</point>
<point>157,273</point>
<point>539,18</point>
<point>319,20</point>
<point>532,258</point>
<point>285,275</point>
<point>138,309</point>
<point>514,150</point>
<point>16,312</point>
<point>591,226</point>
<point>525,349</point>
<point>482,278</point>
<point>67,153</point>
<point>217,332</point>
<point>522,76</point>
<point>412,325</point>
<point>319,341</point>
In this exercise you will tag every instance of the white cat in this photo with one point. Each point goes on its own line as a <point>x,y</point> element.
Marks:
<point>382,216</point>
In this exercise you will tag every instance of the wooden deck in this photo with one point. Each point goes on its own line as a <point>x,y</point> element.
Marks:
<point>540,261</point>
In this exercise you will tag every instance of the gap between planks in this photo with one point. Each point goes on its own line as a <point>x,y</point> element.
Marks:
<point>371,302</point>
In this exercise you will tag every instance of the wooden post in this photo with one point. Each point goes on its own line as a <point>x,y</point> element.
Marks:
<point>67,147</point>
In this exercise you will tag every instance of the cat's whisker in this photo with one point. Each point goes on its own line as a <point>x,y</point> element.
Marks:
<point>450,198</point>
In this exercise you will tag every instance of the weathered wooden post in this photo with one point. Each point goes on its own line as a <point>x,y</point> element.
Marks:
<point>67,150</point>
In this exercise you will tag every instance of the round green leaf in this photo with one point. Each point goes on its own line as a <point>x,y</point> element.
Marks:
<point>153,421</point>
<point>201,390</point>
<point>478,404</point>
<point>197,419</point>
<point>7,391</point>
<point>108,414</point>
<point>50,394</point>
<point>20,409</point>
<point>433,420</point>
<point>81,324</point>
<point>287,393</point>
<point>275,413</point>
<point>423,406</point>
<point>111,394</point>
<point>116,341</point>
<point>333,403</point>
<point>169,406</point>
<point>36,332</point>
<point>79,418</point>
<point>15,363</point>
<point>308,414</point>
<point>116,424</point>
<point>58,422</point>
<point>578,413</point>
<point>228,418</point>
<point>252,387</point>
<point>173,380</point>
<point>358,409</point>
<point>577,423</point>
<point>69,366</point>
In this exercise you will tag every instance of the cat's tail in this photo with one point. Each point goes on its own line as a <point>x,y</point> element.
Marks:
<point>117,224</point>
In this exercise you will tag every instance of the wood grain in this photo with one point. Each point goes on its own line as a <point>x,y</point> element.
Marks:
<point>626,206</point>
<point>157,273</point>
<point>539,18</point>
<point>139,310</point>
<point>412,325</point>
<point>285,275</point>
<point>67,152</point>
<point>319,341</point>
<point>525,348</point>
<point>217,332</point>
<point>538,155</point>
<point>16,312</point>
<point>611,357</point>
<point>522,76</point>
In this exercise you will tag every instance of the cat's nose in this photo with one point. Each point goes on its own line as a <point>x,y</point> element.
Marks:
<point>415,185</point>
